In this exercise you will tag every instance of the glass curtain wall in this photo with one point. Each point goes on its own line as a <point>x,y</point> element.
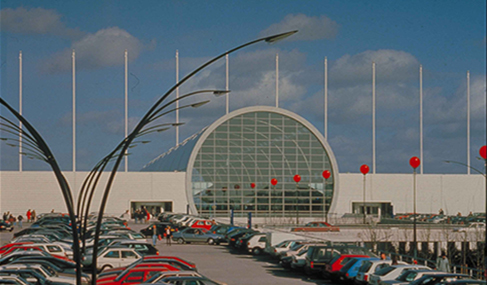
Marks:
<point>236,163</point>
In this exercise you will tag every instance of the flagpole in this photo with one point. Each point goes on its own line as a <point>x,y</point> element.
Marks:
<point>421,117</point>
<point>277,80</point>
<point>468,121</point>
<point>20,110</point>
<point>373,117</point>
<point>326,98</point>
<point>226,82</point>
<point>73,64</point>
<point>126,108</point>
<point>177,96</point>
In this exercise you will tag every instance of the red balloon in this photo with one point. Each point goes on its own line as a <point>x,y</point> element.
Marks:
<point>483,152</point>
<point>414,162</point>
<point>297,178</point>
<point>364,169</point>
<point>274,181</point>
<point>326,174</point>
<point>252,185</point>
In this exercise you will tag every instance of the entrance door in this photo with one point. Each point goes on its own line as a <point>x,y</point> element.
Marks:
<point>153,207</point>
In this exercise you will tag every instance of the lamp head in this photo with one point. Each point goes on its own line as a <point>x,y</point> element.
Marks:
<point>199,104</point>
<point>275,38</point>
<point>218,93</point>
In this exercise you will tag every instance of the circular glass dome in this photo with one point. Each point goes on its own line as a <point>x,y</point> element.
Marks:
<point>235,159</point>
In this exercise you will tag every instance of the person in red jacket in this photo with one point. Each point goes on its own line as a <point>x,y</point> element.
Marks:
<point>29,215</point>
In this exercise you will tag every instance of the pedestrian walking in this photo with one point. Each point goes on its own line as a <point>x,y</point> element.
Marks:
<point>33,216</point>
<point>28,215</point>
<point>168,235</point>
<point>20,218</point>
<point>154,235</point>
<point>442,263</point>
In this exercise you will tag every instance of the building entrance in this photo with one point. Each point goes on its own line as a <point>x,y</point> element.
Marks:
<point>153,207</point>
<point>378,209</point>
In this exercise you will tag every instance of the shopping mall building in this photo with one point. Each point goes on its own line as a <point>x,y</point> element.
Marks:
<point>229,166</point>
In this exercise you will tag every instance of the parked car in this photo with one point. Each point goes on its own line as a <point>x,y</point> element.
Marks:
<point>202,224</point>
<point>6,226</point>
<point>333,267</point>
<point>445,278</point>
<point>187,280</point>
<point>117,257</point>
<point>348,272</point>
<point>471,228</point>
<point>142,247</point>
<point>409,276</point>
<point>371,266</point>
<point>316,227</point>
<point>196,235</point>
<point>135,275</point>
<point>319,255</point>
<point>165,274</point>
<point>256,244</point>
<point>391,272</point>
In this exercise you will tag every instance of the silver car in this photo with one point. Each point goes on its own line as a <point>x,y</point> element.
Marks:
<point>197,235</point>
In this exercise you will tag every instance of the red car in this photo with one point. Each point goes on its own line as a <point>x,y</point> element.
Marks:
<point>6,247</point>
<point>21,248</point>
<point>136,275</point>
<point>188,263</point>
<point>316,227</point>
<point>337,263</point>
<point>203,224</point>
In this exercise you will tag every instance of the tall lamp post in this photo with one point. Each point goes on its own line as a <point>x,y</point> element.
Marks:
<point>326,175</point>
<point>414,162</point>
<point>483,154</point>
<point>297,178</point>
<point>273,183</point>
<point>364,169</point>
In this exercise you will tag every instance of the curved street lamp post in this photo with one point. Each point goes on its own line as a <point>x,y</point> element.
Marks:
<point>43,152</point>
<point>153,113</point>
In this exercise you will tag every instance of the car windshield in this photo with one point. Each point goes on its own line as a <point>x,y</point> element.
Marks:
<point>384,271</point>
<point>407,276</point>
<point>297,246</point>
<point>138,236</point>
<point>349,264</point>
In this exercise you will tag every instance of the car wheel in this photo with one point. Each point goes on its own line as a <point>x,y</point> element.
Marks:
<point>211,241</point>
<point>256,251</point>
<point>106,267</point>
<point>180,240</point>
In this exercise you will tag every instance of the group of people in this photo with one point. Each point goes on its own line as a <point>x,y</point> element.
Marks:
<point>157,236</point>
<point>142,215</point>
<point>9,217</point>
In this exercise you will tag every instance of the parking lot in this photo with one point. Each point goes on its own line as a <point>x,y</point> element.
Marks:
<point>221,264</point>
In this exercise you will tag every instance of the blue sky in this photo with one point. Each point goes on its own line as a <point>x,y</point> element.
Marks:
<point>446,37</point>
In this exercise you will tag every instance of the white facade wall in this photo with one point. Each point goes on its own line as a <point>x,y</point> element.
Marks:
<point>20,191</point>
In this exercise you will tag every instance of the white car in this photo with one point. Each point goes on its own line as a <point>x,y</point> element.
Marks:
<point>53,249</point>
<point>275,251</point>
<point>299,259</point>
<point>471,228</point>
<point>256,244</point>
<point>116,257</point>
<point>371,266</point>
<point>392,272</point>
<point>409,276</point>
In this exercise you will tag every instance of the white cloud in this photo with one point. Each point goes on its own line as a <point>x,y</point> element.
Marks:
<point>310,28</point>
<point>36,21</point>
<point>390,65</point>
<point>104,48</point>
